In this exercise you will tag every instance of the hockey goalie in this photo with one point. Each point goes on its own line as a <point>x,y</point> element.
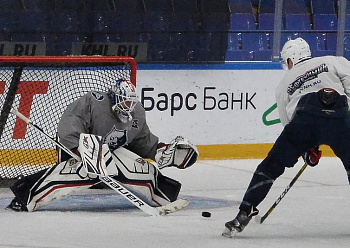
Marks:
<point>109,133</point>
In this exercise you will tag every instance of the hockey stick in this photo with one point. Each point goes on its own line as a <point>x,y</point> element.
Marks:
<point>259,219</point>
<point>112,183</point>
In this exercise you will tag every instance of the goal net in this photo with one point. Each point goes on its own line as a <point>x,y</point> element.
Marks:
<point>41,88</point>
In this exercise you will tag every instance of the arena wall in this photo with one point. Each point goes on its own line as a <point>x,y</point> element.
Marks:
<point>228,110</point>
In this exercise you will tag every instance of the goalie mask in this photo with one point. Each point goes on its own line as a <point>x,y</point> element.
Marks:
<point>123,98</point>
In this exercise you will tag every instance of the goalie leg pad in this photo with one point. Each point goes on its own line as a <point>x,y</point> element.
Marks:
<point>142,177</point>
<point>21,188</point>
<point>44,187</point>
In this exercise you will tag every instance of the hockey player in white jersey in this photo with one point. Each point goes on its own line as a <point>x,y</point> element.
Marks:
<point>313,105</point>
<point>117,118</point>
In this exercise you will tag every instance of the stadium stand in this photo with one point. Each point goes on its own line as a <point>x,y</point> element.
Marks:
<point>174,30</point>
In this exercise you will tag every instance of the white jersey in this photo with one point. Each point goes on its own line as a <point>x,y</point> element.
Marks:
<point>309,76</point>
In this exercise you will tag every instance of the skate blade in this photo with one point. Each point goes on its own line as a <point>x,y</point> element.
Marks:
<point>228,233</point>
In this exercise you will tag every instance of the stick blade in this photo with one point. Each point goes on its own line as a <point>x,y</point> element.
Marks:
<point>173,207</point>
<point>258,219</point>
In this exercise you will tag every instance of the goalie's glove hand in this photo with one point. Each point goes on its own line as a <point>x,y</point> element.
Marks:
<point>312,157</point>
<point>179,152</point>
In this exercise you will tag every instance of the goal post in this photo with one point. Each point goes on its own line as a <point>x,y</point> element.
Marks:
<point>41,88</point>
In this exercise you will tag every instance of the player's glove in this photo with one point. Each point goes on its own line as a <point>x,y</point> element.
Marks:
<point>312,157</point>
<point>179,152</point>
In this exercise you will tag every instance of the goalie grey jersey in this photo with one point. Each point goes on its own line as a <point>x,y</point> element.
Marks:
<point>92,114</point>
<point>310,76</point>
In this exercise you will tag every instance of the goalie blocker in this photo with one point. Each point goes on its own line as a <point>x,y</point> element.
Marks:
<point>135,173</point>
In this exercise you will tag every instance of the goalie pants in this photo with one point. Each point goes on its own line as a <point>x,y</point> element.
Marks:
<point>310,127</point>
<point>69,177</point>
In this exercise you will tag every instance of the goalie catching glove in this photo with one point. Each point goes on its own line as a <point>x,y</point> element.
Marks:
<point>312,157</point>
<point>180,153</point>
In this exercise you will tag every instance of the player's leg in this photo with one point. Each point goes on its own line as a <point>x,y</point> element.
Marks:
<point>293,141</point>
<point>339,141</point>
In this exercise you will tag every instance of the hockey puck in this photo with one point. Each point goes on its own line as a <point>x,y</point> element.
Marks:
<point>206,214</point>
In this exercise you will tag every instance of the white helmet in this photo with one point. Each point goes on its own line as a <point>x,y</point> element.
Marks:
<point>297,50</point>
<point>124,99</point>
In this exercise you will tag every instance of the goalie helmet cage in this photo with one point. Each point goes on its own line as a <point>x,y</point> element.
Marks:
<point>41,88</point>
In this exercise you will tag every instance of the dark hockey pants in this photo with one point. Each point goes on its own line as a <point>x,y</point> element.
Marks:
<point>305,131</point>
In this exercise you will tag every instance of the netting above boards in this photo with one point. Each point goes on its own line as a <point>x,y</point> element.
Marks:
<point>41,88</point>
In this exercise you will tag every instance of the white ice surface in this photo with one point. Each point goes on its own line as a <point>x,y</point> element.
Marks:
<point>314,213</point>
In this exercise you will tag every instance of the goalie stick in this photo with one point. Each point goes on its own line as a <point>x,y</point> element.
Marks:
<point>112,183</point>
<point>260,219</point>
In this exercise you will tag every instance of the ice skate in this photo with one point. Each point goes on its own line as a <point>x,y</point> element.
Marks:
<point>240,222</point>
<point>17,206</point>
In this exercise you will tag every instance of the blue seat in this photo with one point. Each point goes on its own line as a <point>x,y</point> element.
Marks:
<point>322,7</point>
<point>319,53</point>
<point>171,55</point>
<point>263,55</point>
<point>63,21</point>
<point>129,6</point>
<point>347,55</point>
<point>28,37</point>
<point>347,21</point>
<point>158,5</point>
<point>294,7</point>
<point>285,36</point>
<point>240,6</point>
<point>43,5</point>
<point>32,21</point>
<point>191,41</point>
<point>256,41</point>
<point>183,21</point>
<point>210,6</point>
<point>205,56</point>
<point>143,37</point>
<point>325,22</point>
<point>240,55</point>
<point>9,5</point>
<point>317,41</point>
<point>289,6</point>
<point>7,21</point>
<point>347,42</point>
<point>331,41</point>
<point>234,41</point>
<point>4,37</point>
<point>100,5</point>
<point>242,21</point>
<point>68,5</point>
<point>61,45</point>
<point>159,41</point>
<point>297,22</point>
<point>155,21</point>
<point>124,27</point>
<point>215,22</point>
<point>101,21</point>
<point>186,6</point>
<point>266,6</point>
<point>266,21</point>
<point>94,21</point>
<point>124,22</point>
